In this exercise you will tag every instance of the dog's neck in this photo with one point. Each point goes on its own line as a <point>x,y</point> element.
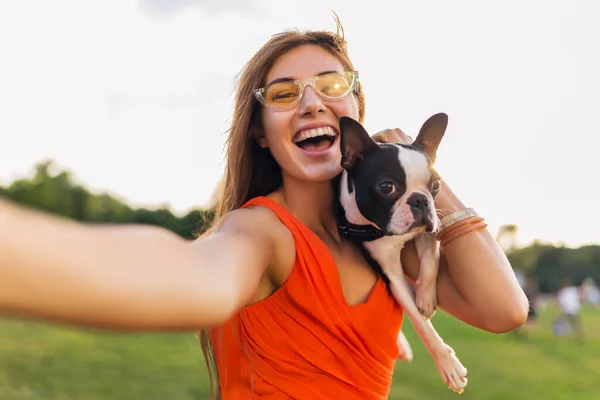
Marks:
<point>362,233</point>
<point>359,232</point>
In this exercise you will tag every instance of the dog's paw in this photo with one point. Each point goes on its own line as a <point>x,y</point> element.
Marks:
<point>451,370</point>
<point>404,349</point>
<point>426,299</point>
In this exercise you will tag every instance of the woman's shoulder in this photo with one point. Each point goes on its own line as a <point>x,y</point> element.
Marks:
<point>259,218</point>
<point>256,215</point>
<point>254,219</point>
<point>262,216</point>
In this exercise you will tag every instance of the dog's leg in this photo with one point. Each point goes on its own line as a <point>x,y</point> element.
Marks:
<point>426,287</point>
<point>451,370</point>
<point>406,353</point>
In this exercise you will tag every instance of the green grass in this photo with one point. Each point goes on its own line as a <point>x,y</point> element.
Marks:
<point>534,365</point>
<point>40,362</point>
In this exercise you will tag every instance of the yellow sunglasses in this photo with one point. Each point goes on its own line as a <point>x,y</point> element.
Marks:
<point>285,93</point>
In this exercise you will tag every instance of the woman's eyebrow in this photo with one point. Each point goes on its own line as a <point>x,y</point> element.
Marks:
<point>288,78</point>
<point>284,79</point>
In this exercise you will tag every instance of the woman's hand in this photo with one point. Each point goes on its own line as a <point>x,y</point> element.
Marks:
<point>395,135</point>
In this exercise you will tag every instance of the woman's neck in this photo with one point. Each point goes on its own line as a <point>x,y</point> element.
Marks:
<point>312,203</point>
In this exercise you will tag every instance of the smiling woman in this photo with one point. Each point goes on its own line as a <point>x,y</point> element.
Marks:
<point>291,89</point>
<point>291,308</point>
<point>284,93</point>
<point>316,140</point>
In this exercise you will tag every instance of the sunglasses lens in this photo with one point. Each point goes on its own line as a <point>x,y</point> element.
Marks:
<point>285,94</point>
<point>281,94</point>
<point>334,85</point>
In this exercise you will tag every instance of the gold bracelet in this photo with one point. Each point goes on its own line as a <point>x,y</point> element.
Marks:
<point>457,216</point>
<point>460,229</point>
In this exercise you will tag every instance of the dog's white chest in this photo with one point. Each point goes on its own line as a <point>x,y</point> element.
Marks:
<point>386,251</point>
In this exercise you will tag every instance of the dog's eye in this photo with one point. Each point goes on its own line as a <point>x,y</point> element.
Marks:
<point>435,186</point>
<point>387,187</point>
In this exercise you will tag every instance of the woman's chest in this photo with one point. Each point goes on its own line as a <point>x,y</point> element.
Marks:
<point>355,276</point>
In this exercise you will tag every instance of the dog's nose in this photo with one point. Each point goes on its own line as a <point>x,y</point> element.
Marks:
<point>418,201</point>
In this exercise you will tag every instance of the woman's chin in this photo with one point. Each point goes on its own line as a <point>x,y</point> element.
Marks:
<point>317,173</point>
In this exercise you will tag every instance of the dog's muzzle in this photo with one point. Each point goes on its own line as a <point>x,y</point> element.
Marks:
<point>420,206</point>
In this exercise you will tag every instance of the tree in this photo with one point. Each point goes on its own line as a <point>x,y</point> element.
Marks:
<point>55,191</point>
<point>507,237</point>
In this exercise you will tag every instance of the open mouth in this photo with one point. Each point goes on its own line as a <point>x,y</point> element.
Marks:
<point>316,140</point>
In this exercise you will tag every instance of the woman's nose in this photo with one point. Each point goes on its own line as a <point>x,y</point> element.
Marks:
<point>310,103</point>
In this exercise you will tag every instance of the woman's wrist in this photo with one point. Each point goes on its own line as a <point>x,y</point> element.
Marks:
<point>446,201</point>
<point>7,221</point>
<point>455,218</point>
<point>12,218</point>
<point>7,217</point>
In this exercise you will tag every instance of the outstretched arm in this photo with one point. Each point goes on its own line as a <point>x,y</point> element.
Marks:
<point>129,277</point>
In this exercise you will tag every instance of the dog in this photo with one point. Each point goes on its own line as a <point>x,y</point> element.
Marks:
<point>386,198</point>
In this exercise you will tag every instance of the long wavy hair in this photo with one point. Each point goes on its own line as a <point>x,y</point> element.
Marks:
<point>250,170</point>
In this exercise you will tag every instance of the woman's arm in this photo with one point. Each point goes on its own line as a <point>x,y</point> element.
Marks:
<point>476,283</point>
<point>127,277</point>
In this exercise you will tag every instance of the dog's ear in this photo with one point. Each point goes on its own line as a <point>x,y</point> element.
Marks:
<point>354,142</point>
<point>431,135</point>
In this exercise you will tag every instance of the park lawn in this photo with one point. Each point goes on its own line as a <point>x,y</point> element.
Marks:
<point>40,362</point>
<point>534,365</point>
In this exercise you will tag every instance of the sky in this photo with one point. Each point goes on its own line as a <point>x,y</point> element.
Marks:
<point>135,97</point>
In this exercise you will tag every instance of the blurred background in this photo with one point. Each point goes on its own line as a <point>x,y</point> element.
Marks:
<point>117,111</point>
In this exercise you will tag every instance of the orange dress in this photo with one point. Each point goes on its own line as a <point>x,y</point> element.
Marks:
<point>305,341</point>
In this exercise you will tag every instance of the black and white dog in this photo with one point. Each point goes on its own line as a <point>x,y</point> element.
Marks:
<point>386,193</point>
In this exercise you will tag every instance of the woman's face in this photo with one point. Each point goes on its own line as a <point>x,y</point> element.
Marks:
<point>310,160</point>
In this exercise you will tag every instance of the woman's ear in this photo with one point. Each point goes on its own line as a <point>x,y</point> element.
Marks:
<point>259,135</point>
<point>262,141</point>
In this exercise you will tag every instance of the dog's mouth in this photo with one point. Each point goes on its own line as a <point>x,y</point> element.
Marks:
<point>316,140</point>
<point>425,224</point>
<point>429,225</point>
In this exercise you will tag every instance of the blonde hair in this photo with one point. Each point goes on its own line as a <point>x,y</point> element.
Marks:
<point>250,170</point>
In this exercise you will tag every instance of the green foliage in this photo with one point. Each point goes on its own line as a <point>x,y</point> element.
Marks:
<point>57,193</point>
<point>549,263</point>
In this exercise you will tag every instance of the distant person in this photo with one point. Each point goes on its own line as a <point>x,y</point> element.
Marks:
<point>569,300</point>
<point>532,292</point>
<point>590,292</point>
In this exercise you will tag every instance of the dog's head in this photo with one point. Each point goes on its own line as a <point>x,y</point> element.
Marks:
<point>391,186</point>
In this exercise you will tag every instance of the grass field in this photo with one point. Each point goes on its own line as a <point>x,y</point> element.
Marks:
<point>53,363</point>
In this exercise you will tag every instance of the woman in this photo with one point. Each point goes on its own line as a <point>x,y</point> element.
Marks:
<point>293,310</point>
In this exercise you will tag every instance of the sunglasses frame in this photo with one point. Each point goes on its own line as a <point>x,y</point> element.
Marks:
<point>303,83</point>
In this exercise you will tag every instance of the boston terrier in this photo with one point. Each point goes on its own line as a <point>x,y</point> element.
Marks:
<point>386,198</point>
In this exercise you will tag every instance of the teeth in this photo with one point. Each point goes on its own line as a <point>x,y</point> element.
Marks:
<point>311,133</point>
